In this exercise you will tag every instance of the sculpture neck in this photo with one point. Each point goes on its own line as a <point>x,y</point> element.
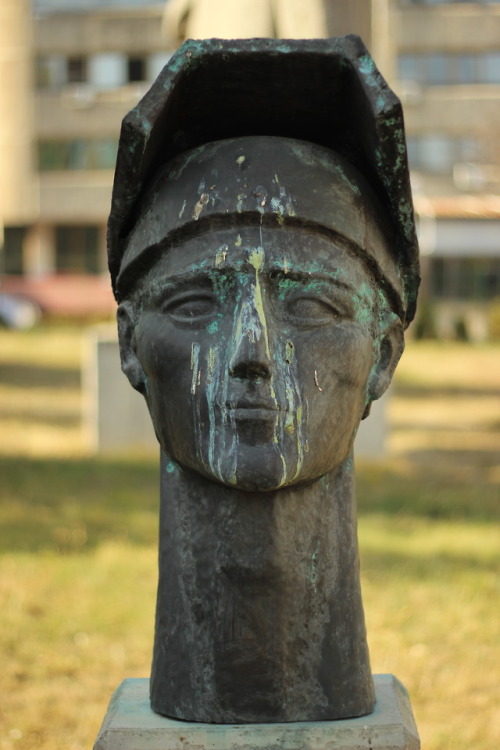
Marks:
<point>259,613</point>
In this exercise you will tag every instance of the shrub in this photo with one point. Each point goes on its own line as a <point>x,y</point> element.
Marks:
<point>425,324</point>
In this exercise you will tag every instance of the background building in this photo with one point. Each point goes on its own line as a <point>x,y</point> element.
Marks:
<point>448,76</point>
<point>70,72</point>
<point>70,69</point>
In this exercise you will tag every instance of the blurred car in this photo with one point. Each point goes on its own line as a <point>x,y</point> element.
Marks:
<point>18,312</point>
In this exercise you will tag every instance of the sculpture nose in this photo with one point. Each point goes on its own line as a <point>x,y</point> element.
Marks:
<point>251,359</point>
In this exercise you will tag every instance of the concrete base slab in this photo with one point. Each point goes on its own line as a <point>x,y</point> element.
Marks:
<point>130,724</point>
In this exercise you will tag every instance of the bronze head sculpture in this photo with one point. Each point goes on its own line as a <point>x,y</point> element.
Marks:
<point>263,252</point>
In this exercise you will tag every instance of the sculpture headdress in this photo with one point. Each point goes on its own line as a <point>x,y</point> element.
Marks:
<point>327,92</point>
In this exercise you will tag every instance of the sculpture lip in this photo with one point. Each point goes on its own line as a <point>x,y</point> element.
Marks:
<point>252,409</point>
<point>253,404</point>
<point>256,414</point>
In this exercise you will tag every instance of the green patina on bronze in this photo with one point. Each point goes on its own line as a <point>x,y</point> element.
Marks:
<point>262,248</point>
<point>329,107</point>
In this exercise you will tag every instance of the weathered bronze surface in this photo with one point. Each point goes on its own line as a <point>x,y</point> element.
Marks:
<point>263,252</point>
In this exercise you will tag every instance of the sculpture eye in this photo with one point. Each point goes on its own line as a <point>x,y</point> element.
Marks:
<point>312,311</point>
<point>191,307</point>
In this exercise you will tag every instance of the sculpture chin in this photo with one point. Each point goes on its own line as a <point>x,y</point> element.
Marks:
<point>247,467</point>
<point>259,468</point>
<point>253,449</point>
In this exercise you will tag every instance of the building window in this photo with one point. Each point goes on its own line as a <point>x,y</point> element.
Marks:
<point>55,71</point>
<point>409,67</point>
<point>103,70</point>
<point>467,68</point>
<point>437,69</point>
<point>438,153</point>
<point>77,154</point>
<point>50,71</point>
<point>107,70</point>
<point>77,249</point>
<point>136,69</point>
<point>440,69</point>
<point>102,154</point>
<point>156,63</point>
<point>76,70</point>
<point>492,67</point>
<point>12,255</point>
<point>465,278</point>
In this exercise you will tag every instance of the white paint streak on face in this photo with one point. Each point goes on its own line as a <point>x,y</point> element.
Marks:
<point>277,207</point>
<point>256,317</point>
<point>202,202</point>
<point>294,421</point>
<point>249,329</point>
<point>195,355</point>
<point>212,381</point>
<point>195,382</point>
<point>233,450</point>
<point>316,381</point>
<point>256,258</point>
<point>221,255</point>
<point>219,447</point>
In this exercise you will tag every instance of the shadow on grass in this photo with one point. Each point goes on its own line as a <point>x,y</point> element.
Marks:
<point>448,460</point>
<point>436,393</point>
<point>75,505</point>
<point>435,484</point>
<point>413,566</point>
<point>37,376</point>
<point>42,417</point>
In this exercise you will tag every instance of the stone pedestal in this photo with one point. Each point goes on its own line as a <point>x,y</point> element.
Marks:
<point>130,724</point>
<point>116,417</point>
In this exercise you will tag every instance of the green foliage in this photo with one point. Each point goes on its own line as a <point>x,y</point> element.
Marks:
<point>74,505</point>
<point>461,330</point>
<point>417,491</point>
<point>494,319</point>
<point>78,549</point>
<point>425,323</point>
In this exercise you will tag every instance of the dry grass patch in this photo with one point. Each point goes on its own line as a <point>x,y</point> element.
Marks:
<point>450,365</point>
<point>78,548</point>
<point>429,592</point>
<point>40,392</point>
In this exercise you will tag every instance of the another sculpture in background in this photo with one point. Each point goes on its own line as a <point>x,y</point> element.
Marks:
<point>242,19</point>
<point>263,254</point>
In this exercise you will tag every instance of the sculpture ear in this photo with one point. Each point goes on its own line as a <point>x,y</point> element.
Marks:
<point>391,349</point>
<point>126,338</point>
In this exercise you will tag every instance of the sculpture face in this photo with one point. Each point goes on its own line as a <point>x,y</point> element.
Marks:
<point>265,261</point>
<point>257,346</point>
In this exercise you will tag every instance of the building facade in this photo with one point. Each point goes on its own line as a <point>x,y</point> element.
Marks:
<point>69,71</point>
<point>78,69</point>
<point>448,76</point>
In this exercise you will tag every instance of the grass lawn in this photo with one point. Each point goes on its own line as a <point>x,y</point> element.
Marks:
<point>78,548</point>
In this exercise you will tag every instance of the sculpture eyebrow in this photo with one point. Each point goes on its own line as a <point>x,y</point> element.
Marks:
<point>307,276</point>
<point>127,278</point>
<point>201,277</point>
<point>205,275</point>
